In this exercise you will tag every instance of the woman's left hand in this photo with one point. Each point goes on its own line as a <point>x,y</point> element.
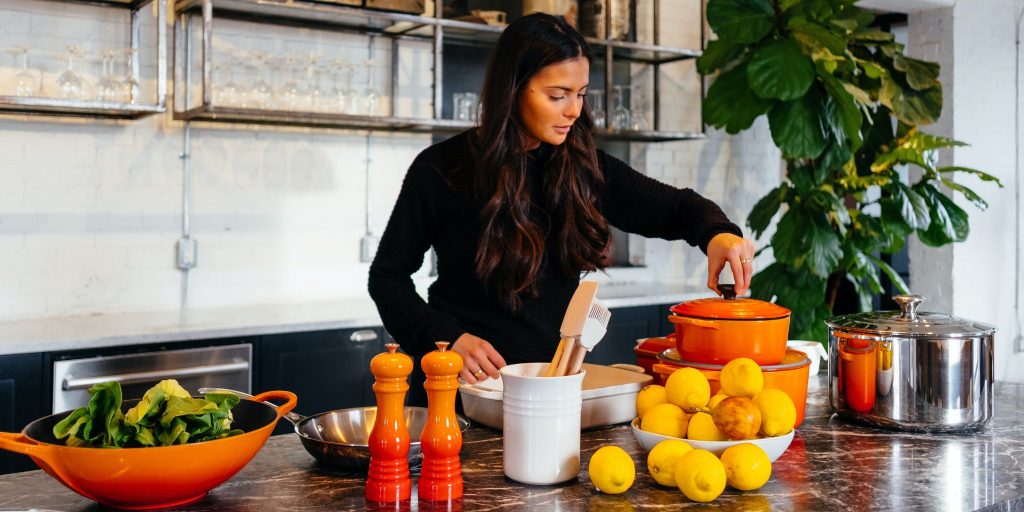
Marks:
<point>739,252</point>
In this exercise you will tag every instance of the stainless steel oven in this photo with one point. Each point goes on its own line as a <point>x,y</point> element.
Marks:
<point>226,366</point>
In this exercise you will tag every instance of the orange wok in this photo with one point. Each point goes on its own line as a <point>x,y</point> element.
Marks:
<point>153,477</point>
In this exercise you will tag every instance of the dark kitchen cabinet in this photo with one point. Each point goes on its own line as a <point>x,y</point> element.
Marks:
<point>327,369</point>
<point>626,326</point>
<point>21,401</point>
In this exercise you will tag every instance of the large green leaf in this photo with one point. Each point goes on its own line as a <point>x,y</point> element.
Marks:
<point>741,21</point>
<point>730,103</point>
<point>817,36</point>
<point>913,206</point>
<point>872,36</point>
<point>780,71</point>
<point>894,277</point>
<point>957,216</point>
<point>845,108</point>
<point>766,208</point>
<point>911,106</point>
<point>941,230</point>
<point>797,127</point>
<point>805,239</point>
<point>717,55</point>
<point>920,74</point>
<point>983,176</point>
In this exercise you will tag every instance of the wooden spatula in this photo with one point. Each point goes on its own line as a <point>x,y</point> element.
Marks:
<point>572,327</point>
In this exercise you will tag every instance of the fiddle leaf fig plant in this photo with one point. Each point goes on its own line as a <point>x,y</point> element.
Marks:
<point>844,105</point>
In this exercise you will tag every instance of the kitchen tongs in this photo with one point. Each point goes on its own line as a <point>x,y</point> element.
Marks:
<point>584,324</point>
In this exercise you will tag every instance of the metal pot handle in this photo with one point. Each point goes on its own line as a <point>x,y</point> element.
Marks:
<point>909,304</point>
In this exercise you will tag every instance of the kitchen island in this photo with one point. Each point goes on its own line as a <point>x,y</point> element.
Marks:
<point>831,465</point>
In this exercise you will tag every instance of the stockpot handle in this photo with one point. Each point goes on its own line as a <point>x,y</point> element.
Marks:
<point>909,304</point>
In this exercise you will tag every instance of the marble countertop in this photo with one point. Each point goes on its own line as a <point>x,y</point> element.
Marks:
<point>121,329</point>
<point>831,465</point>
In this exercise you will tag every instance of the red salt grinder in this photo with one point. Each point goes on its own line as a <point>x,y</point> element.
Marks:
<point>388,479</point>
<point>441,441</point>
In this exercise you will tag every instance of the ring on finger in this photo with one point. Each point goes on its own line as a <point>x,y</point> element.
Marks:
<point>746,260</point>
<point>478,373</point>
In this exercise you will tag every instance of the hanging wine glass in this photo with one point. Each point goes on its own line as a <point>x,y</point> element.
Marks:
<point>339,98</point>
<point>620,116</point>
<point>371,96</point>
<point>130,89</point>
<point>638,109</point>
<point>262,93</point>
<point>107,88</point>
<point>290,92</point>
<point>596,99</point>
<point>69,83</point>
<point>313,92</point>
<point>24,83</point>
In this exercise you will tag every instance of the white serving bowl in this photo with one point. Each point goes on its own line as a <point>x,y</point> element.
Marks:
<point>773,446</point>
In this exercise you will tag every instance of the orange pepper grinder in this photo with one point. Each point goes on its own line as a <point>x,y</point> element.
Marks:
<point>388,479</point>
<point>441,441</point>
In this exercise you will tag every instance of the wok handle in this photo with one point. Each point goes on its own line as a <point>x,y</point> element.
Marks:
<point>289,398</point>
<point>17,443</point>
<point>696,322</point>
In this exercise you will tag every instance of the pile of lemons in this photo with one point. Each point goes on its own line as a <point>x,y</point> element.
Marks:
<point>685,409</point>
<point>742,409</point>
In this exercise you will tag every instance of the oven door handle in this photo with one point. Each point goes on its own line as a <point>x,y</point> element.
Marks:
<point>70,382</point>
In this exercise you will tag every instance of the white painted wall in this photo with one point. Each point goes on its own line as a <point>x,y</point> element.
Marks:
<point>90,211</point>
<point>975,41</point>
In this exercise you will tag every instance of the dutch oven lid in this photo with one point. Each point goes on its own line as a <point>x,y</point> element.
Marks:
<point>729,307</point>
<point>909,322</point>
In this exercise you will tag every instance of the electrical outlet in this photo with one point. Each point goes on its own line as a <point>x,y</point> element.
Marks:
<point>368,248</point>
<point>187,253</point>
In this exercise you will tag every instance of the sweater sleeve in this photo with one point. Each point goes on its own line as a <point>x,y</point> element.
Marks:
<point>409,233</point>
<point>638,204</point>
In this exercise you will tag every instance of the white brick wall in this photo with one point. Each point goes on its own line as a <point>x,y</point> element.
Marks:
<point>975,42</point>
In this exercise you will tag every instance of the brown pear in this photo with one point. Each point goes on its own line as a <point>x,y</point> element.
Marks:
<point>737,417</point>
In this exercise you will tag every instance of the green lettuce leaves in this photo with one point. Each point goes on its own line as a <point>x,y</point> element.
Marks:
<point>166,415</point>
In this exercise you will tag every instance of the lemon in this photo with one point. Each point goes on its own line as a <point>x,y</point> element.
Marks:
<point>649,397</point>
<point>746,466</point>
<point>665,419</point>
<point>778,414</point>
<point>700,475</point>
<point>702,428</point>
<point>611,470</point>
<point>661,462</point>
<point>716,399</point>
<point>741,377</point>
<point>688,388</point>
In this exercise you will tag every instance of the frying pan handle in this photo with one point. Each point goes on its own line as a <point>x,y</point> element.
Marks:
<point>17,443</point>
<point>696,322</point>
<point>283,409</point>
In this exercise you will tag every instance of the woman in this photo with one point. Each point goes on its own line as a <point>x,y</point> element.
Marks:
<point>519,207</point>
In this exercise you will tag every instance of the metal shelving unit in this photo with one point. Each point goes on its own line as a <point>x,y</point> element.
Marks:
<point>104,109</point>
<point>395,26</point>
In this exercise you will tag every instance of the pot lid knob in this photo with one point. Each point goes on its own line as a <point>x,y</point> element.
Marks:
<point>728,290</point>
<point>909,304</point>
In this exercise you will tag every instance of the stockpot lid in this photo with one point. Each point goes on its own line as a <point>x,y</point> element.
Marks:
<point>910,323</point>
<point>730,308</point>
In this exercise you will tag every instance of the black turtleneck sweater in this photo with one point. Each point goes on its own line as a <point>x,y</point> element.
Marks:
<point>430,211</point>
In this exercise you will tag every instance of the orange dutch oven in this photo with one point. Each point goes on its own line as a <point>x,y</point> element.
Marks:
<point>153,477</point>
<point>718,330</point>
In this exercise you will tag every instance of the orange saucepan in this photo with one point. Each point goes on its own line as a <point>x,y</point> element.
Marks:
<point>155,477</point>
<point>718,330</point>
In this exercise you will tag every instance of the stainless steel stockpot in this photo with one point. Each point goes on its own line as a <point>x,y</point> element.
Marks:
<point>907,370</point>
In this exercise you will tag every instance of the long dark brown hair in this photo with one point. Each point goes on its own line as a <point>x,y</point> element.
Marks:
<point>511,253</point>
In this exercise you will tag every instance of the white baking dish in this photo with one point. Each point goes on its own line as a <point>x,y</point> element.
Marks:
<point>609,397</point>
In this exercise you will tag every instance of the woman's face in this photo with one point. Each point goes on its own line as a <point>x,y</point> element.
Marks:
<point>552,101</point>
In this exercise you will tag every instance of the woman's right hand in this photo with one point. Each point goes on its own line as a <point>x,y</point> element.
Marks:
<point>477,354</point>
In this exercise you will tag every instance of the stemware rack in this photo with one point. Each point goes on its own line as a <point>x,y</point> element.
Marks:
<point>107,109</point>
<point>193,21</point>
<point>395,26</point>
